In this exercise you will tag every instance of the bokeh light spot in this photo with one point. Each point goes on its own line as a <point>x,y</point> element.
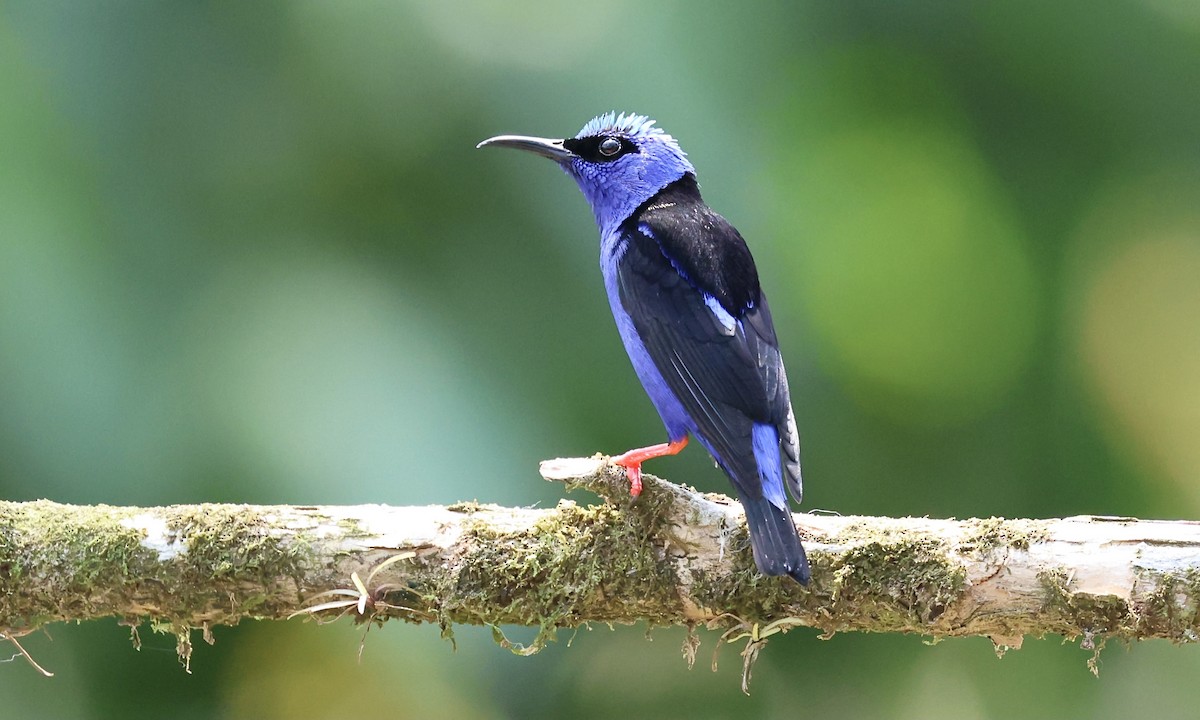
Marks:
<point>1139,335</point>
<point>538,35</point>
<point>326,376</point>
<point>913,272</point>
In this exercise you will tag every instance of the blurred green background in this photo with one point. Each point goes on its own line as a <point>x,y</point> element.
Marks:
<point>248,253</point>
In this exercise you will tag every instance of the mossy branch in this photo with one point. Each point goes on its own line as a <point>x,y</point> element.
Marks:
<point>673,557</point>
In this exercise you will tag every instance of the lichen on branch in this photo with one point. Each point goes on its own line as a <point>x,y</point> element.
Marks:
<point>673,556</point>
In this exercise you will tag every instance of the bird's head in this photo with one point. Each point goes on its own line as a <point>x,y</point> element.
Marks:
<point>619,162</point>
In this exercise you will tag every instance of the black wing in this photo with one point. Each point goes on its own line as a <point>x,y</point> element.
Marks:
<point>718,354</point>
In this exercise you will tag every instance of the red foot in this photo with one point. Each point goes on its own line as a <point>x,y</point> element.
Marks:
<point>632,461</point>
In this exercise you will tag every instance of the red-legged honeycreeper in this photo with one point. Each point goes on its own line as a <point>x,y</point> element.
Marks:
<point>685,294</point>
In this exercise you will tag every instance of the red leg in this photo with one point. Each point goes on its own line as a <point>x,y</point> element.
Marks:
<point>632,461</point>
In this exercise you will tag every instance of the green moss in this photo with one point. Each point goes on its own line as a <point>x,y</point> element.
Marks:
<point>888,580</point>
<point>577,564</point>
<point>351,528</point>
<point>747,595</point>
<point>565,570</point>
<point>987,534</point>
<point>226,546</point>
<point>900,583</point>
<point>88,560</point>
<point>74,552</point>
<point>1171,609</point>
<point>1074,613</point>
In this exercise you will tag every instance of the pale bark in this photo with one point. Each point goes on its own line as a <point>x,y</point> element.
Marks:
<point>674,556</point>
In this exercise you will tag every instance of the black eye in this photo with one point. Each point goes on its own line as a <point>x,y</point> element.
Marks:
<point>600,148</point>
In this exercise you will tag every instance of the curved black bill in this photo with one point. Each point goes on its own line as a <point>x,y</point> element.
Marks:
<point>545,147</point>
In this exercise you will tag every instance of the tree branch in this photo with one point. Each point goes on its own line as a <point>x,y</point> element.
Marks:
<point>674,556</point>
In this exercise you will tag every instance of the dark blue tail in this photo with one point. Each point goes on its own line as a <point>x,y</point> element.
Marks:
<point>776,544</point>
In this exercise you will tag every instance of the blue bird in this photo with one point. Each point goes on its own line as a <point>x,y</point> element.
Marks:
<point>685,294</point>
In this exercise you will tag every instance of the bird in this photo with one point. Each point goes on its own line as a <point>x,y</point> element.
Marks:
<point>685,294</point>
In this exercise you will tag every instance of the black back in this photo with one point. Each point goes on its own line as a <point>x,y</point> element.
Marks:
<point>677,250</point>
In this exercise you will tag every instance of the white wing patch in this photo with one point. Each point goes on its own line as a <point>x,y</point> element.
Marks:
<point>723,317</point>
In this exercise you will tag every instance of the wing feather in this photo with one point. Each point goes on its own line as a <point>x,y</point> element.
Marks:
<point>726,381</point>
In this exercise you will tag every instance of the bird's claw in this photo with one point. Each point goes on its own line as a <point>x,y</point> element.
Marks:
<point>632,461</point>
<point>633,471</point>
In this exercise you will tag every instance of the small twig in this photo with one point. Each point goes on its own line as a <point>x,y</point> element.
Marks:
<point>21,652</point>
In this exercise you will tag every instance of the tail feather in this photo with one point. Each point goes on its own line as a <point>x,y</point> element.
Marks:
<point>773,537</point>
<point>790,444</point>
